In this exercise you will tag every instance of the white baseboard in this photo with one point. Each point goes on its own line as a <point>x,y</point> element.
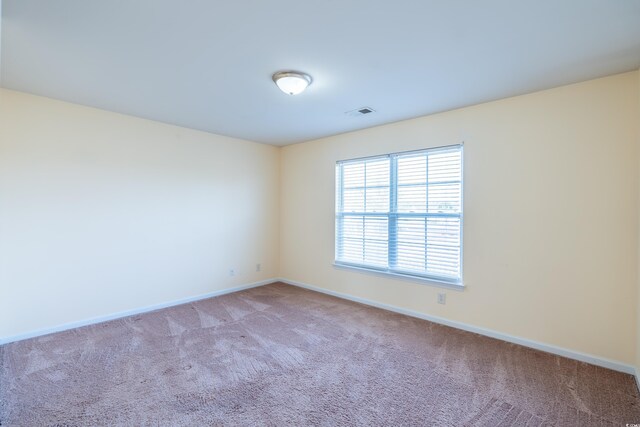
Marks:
<point>126,313</point>
<point>576,355</point>
<point>635,375</point>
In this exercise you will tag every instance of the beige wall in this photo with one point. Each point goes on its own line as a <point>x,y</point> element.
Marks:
<point>551,215</point>
<point>101,212</point>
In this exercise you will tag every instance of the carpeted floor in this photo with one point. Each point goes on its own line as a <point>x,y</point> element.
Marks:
<point>283,356</point>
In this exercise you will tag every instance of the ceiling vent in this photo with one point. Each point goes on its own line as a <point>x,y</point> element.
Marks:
<point>363,111</point>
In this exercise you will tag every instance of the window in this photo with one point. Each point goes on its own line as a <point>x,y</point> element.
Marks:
<point>402,213</point>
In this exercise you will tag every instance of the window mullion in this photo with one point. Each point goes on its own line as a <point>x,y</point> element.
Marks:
<point>426,218</point>
<point>340,219</point>
<point>364,222</point>
<point>392,248</point>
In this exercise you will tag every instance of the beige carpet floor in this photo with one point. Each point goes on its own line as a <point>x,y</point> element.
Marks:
<point>283,356</point>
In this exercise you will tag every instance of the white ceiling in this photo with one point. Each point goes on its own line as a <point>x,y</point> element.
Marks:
<point>207,64</point>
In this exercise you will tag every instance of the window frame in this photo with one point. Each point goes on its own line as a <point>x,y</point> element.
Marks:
<point>392,216</point>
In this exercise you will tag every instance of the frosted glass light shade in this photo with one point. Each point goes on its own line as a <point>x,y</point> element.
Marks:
<point>292,82</point>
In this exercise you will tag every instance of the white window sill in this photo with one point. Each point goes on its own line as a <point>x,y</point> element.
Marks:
<point>392,275</point>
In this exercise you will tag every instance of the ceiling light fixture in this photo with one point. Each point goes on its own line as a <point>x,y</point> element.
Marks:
<point>292,82</point>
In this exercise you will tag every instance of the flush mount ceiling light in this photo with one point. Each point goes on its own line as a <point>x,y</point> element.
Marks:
<point>292,82</point>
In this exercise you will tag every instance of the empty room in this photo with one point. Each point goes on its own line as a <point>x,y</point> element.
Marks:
<point>330,213</point>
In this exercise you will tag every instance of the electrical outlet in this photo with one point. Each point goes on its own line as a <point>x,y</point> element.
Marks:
<point>258,267</point>
<point>232,272</point>
<point>442,298</point>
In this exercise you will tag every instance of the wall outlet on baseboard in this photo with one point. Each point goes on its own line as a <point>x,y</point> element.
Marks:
<point>232,272</point>
<point>442,298</point>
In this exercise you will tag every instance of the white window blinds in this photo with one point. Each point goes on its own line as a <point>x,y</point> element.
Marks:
<point>402,213</point>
